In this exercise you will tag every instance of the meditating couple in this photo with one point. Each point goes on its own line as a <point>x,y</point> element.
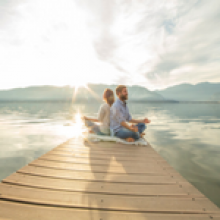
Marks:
<point>114,117</point>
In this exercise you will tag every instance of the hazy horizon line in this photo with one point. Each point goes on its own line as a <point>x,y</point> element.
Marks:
<point>129,85</point>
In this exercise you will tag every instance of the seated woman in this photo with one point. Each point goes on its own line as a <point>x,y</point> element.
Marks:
<point>103,116</point>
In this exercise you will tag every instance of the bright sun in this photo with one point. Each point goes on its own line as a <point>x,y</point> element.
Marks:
<point>79,82</point>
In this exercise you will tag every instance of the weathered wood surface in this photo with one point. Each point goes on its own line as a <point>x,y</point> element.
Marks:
<point>103,181</point>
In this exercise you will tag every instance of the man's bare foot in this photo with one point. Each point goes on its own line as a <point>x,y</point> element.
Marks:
<point>129,139</point>
<point>91,132</point>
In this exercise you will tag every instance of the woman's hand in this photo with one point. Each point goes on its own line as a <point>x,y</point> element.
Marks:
<point>84,118</point>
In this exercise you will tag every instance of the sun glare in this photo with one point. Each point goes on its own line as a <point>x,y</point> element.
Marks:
<point>77,85</point>
<point>76,129</point>
<point>78,126</point>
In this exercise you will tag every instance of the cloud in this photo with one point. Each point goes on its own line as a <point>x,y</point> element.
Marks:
<point>8,11</point>
<point>150,43</point>
<point>49,44</point>
<point>8,18</point>
<point>158,38</point>
<point>196,40</point>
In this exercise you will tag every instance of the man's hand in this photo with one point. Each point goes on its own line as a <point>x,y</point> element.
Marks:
<point>134,128</point>
<point>146,120</point>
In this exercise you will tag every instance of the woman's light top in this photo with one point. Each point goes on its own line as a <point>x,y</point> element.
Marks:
<point>104,118</point>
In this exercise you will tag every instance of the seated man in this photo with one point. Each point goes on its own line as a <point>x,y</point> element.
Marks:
<point>119,116</point>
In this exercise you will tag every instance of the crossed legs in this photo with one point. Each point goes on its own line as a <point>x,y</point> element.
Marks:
<point>129,135</point>
<point>93,127</point>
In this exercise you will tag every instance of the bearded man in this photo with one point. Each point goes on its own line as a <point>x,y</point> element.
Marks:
<point>120,117</point>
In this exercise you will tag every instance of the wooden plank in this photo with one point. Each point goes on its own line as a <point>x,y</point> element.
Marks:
<point>100,162</point>
<point>139,150</point>
<point>143,168</point>
<point>123,161</point>
<point>97,168</point>
<point>109,202</point>
<point>109,145</point>
<point>185,189</point>
<point>83,149</point>
<point>107,177</point>
<point>101,152</point>
<point>35,212</point>
<point>106,156</point>
<point>112,154</point>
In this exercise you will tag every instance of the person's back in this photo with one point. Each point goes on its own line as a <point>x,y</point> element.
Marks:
<point>112,121</point>
<point>104,118</point>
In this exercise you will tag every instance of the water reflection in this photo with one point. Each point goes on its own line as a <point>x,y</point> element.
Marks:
<point>190,142</point>
<point>187,135</point>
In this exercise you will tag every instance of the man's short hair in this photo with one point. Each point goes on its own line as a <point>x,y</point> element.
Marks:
<point>119,88</point>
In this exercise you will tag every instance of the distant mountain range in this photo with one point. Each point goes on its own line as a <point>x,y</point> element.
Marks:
<point>66,93</point>
<point>187,92</point>
<point>183,92</point>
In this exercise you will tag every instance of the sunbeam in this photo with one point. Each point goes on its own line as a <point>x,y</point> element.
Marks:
<point>76,88</point>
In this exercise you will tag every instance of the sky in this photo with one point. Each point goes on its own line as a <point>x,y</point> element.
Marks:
<point>155,44</point>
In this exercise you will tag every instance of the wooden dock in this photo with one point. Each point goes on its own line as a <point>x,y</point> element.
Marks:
<point>101,181</point>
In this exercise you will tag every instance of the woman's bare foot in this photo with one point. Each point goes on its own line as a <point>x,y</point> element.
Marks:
<point>129,139</point>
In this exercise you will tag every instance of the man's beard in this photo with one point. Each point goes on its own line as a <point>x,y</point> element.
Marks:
<point>123,97</point>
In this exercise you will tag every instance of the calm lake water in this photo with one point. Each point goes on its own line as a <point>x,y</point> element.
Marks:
<point>186,135</point>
